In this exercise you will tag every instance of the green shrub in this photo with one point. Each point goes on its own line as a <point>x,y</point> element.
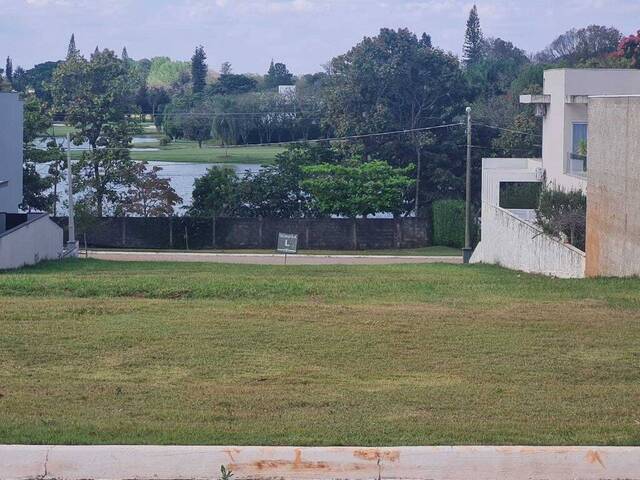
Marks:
<point>164,141</point>
<point>563,214</point>
<point>448,223</point>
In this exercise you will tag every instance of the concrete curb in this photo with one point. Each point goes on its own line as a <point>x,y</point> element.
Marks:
<point>118,462</point>
<point>269,258</point>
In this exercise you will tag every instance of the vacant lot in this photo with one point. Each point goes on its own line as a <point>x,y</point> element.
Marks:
<point>99,352</point>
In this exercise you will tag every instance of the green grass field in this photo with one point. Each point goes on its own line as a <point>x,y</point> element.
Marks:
<point>183,151</point>
<point>181,353</point>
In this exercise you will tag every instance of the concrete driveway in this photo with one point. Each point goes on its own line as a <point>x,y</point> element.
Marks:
<point>266,258</point>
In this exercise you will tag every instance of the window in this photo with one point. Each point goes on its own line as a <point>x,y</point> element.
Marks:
<point>577,157</point>
<point>579,139</point>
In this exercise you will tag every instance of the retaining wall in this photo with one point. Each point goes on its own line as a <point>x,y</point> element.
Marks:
<point>514,243</point>
<point>260,233</point>
<point>33,239</point>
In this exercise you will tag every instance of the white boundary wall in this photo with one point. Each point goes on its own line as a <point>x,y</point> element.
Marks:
<point>18,462</point>
<point>513,243</point>
<point>36,240</point>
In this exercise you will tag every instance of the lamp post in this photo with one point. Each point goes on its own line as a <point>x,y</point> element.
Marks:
<point>467,251</point>
<point>71,242</point>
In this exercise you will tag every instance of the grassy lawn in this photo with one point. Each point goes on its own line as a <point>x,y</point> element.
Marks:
<point>189,152</point>
<point>182,353</point>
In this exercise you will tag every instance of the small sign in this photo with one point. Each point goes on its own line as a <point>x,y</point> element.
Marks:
<point>287,243</point>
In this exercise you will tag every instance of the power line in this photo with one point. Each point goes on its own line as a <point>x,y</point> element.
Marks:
<point>293,142</point>
<point>508,129</point>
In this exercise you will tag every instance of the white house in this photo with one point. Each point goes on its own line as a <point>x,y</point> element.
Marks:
<point>509,237</point>
<point>25,238</point>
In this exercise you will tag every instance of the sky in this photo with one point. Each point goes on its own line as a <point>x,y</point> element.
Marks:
<point>304,34</point>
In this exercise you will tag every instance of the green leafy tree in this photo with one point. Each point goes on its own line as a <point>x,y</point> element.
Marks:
<point>198,70</point>
<point>197,126</point>
<point>97,96</point>
<point>233,84</point>
<point>278,74</point>
<point>522,139</point>
<point>168,74</point>
<point>473,40</point>
<point>355,188</point>
<point>216,193</point>
<point>396,82</point>
<point>578,45</point>
<point>563,214</point>
<point>36,188</point>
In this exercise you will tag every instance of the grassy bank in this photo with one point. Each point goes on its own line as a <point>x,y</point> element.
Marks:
<point>109,352</point>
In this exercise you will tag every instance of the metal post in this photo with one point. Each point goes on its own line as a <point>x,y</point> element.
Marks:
<point>71,244</point>
<point>466,251</point>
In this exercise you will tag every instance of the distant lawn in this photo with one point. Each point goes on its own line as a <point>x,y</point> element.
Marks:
<point>189,152</point>
<point>60,130</point>
<point>182,353</point>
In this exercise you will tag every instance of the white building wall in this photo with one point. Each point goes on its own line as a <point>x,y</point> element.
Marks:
<point>563,85</point>
<point>513,243</point>
<point>11,118</point>
<point>36,240</point>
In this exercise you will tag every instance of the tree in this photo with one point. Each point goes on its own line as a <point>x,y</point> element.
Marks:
<point>582,44</point>
<point>522,139</point>
<point>198,70</point>
<point>396,82</point>
<point>629,48</point>
<point>196,125</point>
<point>278,74</point>
<point>472,48</point>
<point>355,188</point>
<point>72,51</point>
<point>148,195</point>
<point>225,68</point>
<point>97,96</point>
<point>36,194</point>
<point>563,214</point>
<point>125,55</point>
<point>233,84</point>
<point>215,193</point>
<point>8,71</point>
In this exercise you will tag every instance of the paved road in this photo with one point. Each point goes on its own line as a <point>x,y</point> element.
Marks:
<point>268,258</point>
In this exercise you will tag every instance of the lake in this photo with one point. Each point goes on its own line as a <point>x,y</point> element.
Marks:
<point>180,175</point>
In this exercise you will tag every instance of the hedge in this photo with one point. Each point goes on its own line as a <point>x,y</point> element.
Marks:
<point>448,223</point>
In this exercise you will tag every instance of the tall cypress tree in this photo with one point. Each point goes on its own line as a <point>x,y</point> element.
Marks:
<point>472,48</point>
<point>198,70</point>
<point>125,54</point>
<point>8,71</point>
<point>72,51</point>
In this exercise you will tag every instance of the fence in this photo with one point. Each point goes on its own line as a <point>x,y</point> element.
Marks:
<point>260,233</point>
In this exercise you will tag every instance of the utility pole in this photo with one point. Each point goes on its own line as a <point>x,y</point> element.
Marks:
<point>71,243</point>
<point>466,251</point>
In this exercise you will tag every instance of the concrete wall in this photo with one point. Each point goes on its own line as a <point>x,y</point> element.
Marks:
<point>321,233</point>
<point>513,243</point>
<point>36,240</point>
<point>613,192</point>
<point>563,85</point>
<point>11,118</point>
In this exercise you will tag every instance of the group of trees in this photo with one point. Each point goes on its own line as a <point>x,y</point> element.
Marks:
<point>395,81</point>
<point>97,97</point>
<point>306,180</point>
